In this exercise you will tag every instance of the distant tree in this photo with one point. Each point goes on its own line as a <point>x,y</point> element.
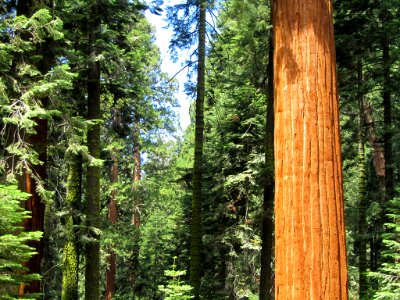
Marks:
<point>310,247</point>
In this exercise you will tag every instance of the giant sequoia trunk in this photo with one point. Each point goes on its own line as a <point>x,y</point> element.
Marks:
<point>309,210</point>
<point>196,219</point>
<point>92,272</point>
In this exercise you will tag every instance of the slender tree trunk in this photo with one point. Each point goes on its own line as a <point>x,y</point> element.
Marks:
<point>387,113</point>
<point>92,272</point>
<point>69,290</point>
<point>196,219</point>
<point>361,243</point>
<point>112,217</point>
<point>361,248</point>
<point>309,210</point>
<point>136,177</point>
<point>136,174</point>
<point>266,274</point>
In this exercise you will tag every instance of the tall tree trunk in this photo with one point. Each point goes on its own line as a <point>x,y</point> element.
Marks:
<point>112,217</point>
<point>361,243</point>
<point>387,112</point>
<point>361,248</point>
<point>310,243</point>
<point>37,174</point>
<point>196,218</point>
<point>69,289</point>
<point>266,274</point>
<point>92,272</point>
<point>35,204</point>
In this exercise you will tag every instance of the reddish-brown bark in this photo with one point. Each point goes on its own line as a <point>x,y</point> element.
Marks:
<point>309,213</point>
<point>35,204</point>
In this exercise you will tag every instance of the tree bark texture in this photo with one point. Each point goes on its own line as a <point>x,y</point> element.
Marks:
<point>92,272</point>
<point>69,290</point>
<point>267,232</point>
<point>196,218</point>
<point>309,209</point>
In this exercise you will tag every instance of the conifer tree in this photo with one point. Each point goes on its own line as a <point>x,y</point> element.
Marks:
<point>196,219</point>
<point>92,272</point>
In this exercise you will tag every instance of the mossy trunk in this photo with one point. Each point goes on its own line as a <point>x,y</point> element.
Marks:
<point>196,245</point>
<point>310,247</point>
<point>69,289</point>
<point>267,231</point>
<point>92,272</point>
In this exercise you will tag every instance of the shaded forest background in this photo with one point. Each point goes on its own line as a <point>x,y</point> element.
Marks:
<point>89,130</point>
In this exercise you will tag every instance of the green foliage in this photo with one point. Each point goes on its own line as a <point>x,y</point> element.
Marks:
<point>389,274</point>
<point>14,250</point>
<point>176,289</point>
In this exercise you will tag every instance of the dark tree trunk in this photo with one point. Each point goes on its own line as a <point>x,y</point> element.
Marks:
<point>266,274</point>
<point>196,218</point>
<point>112,217</point>
<point>92,273</point>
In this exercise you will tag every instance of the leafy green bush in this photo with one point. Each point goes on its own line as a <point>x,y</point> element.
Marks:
<point>13,243</point>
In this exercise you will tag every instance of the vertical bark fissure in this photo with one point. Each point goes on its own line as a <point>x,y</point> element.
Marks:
<point>196,218</point>
<point>92,272</point>
<point>309,209</point>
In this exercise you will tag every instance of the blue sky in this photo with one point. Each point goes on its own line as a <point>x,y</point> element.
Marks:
<point>163,37</point>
